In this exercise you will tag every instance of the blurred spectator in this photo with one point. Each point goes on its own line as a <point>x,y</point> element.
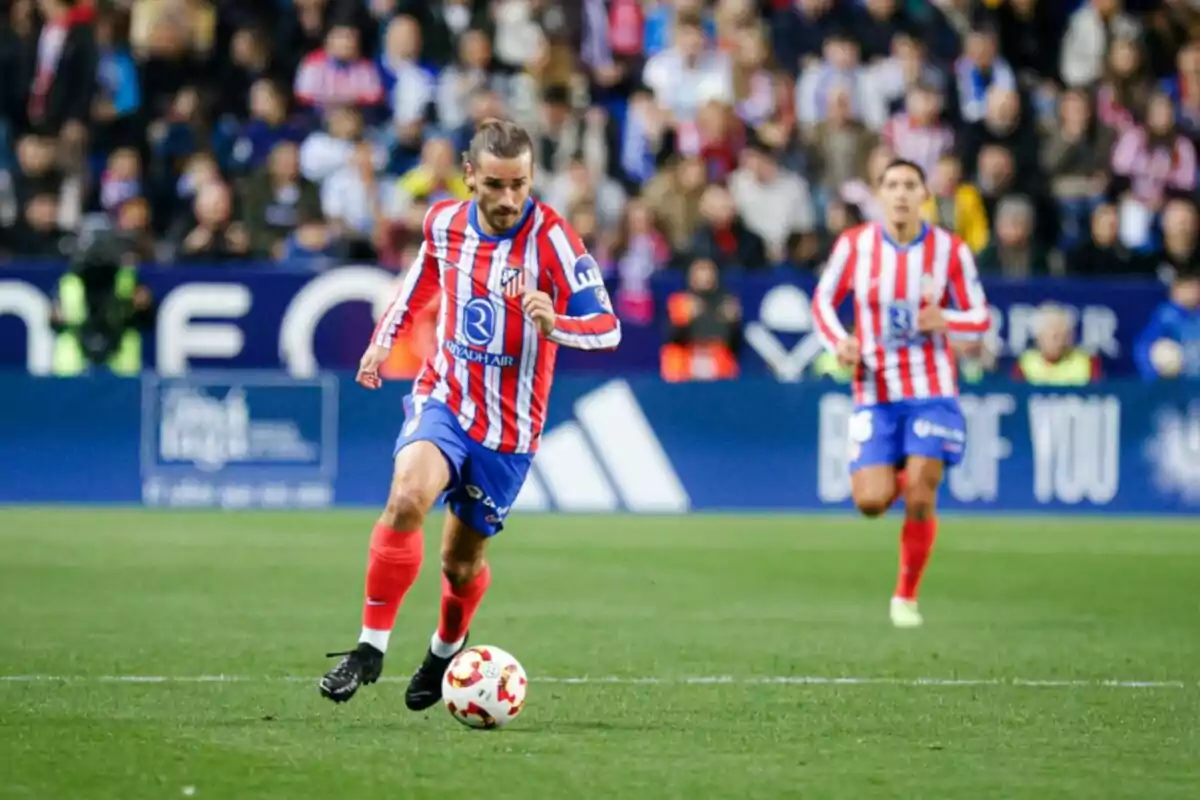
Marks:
<point>352,203</point>
<point>275,199</point>
<point>1183,87</point>
<point>325,152</point>
<point>1180,253</point>
<point>121,180</point>
<point>752,82</point>
<point>339,75</point>
<point>409,87</point>
<point>249,62</point>
<point>776,205</point>
<point>578,184</point>
<point>245,146</point>
<point>1075,157</point>
<point>722,236</point>
<point>674,194</point>
<point>718,137</point>
<point>800,31</point>
<point>117,104</point>
<point>875,24</point>
<point>437,177</point>
<point>1005,125</point>
<point>1169,346</point>
<point>689,73</point>
<point>838,67</point>
<point>918,134</point>
<point>1029,36</point>
<point>981,71</point>
<point>213,235</point>
<point>891,79</point>
<point>1102,253</point>
<point>704,329</point>
<point>1090,29</point>
<point>639,251</point>
<point>471,73</point>
<point>839,148</point>
<point>1152,162</point>
<point>59,90</point>
<point>1056,361</point>
<point>311,244</point>
<point>38,234</point>
<point>1014,252</point>
<point>1121,97</point>
<point>956,205</point>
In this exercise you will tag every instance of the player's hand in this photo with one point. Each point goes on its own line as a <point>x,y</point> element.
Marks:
<point>848,352</point>
<point>540,308</point>
<point>368,367</point>
<point>931,320</point>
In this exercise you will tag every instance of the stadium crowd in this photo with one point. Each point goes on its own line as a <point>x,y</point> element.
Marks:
<point>1059,138</point>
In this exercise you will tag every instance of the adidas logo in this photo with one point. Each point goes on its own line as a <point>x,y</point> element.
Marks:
<point>606,459</point>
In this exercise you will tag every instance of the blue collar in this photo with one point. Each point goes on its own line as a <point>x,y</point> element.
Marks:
<point>473,220</point>
<point>920,237</point>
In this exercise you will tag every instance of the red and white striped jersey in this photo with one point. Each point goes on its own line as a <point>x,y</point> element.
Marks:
<point>890,284</point>
<point>492,367</point>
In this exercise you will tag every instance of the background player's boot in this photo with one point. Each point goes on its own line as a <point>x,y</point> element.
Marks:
<point>425,688</point>
<point>905,613</point>
<point>359,667</point>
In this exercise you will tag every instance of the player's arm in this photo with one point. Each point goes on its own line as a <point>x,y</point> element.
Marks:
<point>832,288</point>
<point>970,317</point>
<point>419,287</point>
<point>588,322</point>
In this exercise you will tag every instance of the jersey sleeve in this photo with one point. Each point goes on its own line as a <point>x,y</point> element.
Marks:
<point>832,288</point>
<point>588,321</point>
<point>419,286</point>
<point>970,317</point>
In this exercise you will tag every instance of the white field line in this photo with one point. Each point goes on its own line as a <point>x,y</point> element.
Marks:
<point>780,680</point>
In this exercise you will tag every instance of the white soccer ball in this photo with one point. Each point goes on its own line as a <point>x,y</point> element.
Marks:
<point>1167,357</point>
<point>484,687</point>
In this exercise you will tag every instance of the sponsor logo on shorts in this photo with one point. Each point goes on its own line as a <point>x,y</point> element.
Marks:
<point>923,428</point>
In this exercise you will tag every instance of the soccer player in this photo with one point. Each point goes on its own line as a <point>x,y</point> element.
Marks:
<point>917,300</point>
<point>516,284</point>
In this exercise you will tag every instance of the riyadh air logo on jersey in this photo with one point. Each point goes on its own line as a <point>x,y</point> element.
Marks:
<point>606,459</point>
<point>479,321</point>
<point>783,334</point>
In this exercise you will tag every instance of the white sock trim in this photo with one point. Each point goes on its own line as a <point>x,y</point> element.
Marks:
<point>444,649</point>
<point>376,638</point>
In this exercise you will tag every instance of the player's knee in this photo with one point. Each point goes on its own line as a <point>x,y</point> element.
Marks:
<point>459,570</point>
<point>872,503</point>
<point>405,509</point>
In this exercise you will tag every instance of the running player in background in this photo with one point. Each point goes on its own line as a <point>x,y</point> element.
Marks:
<point>917,300</point>
<point>516,284</point>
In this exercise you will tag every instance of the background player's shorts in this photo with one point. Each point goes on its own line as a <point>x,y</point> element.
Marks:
<point>890,432</point>
<point>483,483</point>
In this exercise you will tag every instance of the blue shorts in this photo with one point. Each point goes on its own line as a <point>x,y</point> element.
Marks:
<point>889,433</point>
<point>483,483</point>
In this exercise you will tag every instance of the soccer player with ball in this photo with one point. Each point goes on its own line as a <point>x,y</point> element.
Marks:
<point>917,301</point>
<point>516,283</point>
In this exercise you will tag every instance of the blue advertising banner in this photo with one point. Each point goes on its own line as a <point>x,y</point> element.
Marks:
<point>239,439</point>
<point>271,317</point>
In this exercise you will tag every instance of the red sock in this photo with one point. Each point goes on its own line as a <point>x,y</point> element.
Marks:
<point>393,564</point>
<point>916,542</point>
<point>459,604</point>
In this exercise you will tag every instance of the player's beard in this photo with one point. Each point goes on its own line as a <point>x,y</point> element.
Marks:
<point>501,218</point>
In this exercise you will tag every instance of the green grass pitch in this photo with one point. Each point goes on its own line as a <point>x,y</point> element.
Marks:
<point>1031,616</point>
